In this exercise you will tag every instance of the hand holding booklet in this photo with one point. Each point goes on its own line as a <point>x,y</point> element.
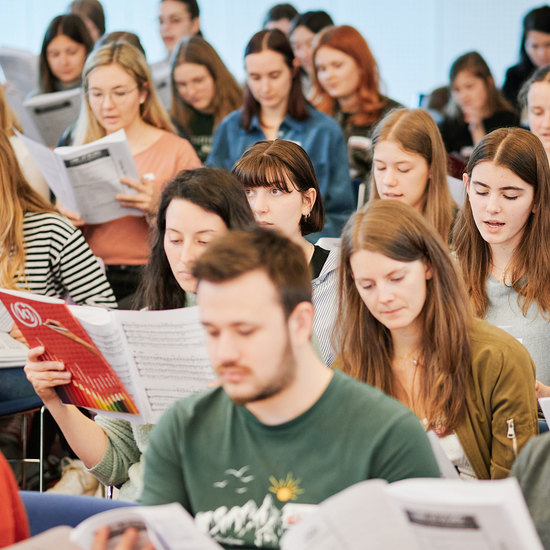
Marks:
<point>86,178</point>
<point>126,364</point>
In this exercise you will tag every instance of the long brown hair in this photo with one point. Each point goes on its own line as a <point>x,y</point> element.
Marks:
<point>399,232</point>
<point>522,153</point>
<point>133,62</point>
<point>348,40</point>
<point>274,40</point>
<point>18,197</point>
<point>416,132</point>
<point>473,63</point>
<point>228,94</point>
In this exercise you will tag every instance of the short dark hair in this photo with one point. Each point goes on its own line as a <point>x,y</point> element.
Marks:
<point>276,41</point>
<point>192,7</point>
<point>277,164</point>
<point>92,10</point>
<point>239,252</point>
<point>70,25</point>
<point>315,21</point>
<point>280,11</point>
<point>214,190</point>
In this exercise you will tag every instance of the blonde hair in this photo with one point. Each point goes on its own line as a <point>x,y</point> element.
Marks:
<point>18,197</point>
<point>130,59</point>
<point>8,119</point>
<point>415,131</point>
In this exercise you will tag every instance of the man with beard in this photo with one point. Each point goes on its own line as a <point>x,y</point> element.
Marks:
<point>282,432</point>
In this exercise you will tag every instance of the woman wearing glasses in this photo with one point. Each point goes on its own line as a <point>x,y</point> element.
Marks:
<point>119,94</point>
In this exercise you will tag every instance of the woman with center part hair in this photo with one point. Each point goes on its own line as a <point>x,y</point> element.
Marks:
<point>119,94</point>
<point>476,107</point>
<point>346,86</point>
<point>275,108</point>
<point>66,44</point>
<point>203,92</point>
<point>534,97</point>
<point>280,183</point>
<point>195,207</point>
<point>410,165</point>
<point>407,329</point>
<point>502,240</point>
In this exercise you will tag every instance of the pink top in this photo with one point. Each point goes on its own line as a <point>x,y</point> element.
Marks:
<point>126,241</point>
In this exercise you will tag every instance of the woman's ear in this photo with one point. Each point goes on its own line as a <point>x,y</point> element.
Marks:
<point>428,270</point>
<point>143,93</point>
<point>308,200</point>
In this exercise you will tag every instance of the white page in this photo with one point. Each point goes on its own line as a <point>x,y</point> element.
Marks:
<point>53,170</point>
<point>107,335</point>
<point>169,527</point>
<point>160,74</point>
<point>446,467</point>
<point>15,99</point>
<point>169,350</point>
<point>12,352</point>
<point>95,170</point>
<point>20,68</point>
<point>450,514</point>
<point>6,322</point>
<point>545,406</point>
<point>53,113</point>
<point>362,517</point>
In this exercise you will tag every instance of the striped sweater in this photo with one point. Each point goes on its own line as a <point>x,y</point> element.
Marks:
<point>59,263</point>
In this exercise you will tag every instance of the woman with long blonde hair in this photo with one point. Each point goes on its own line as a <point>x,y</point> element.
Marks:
<point>408,329</point>
<point>502,240</point>
<point>119,94</point>
<point>410,165</point>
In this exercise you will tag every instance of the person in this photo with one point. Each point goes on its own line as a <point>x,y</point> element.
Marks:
<point>91,12</point>
<point>275,107</point>
<point>280,17</point>
<point>476,107</point>
<point>408,329</point>
<point>410,165</point>
<point>303,29</point>
<point>178,19</point>
<point>532,470</point>
<point>196,206</point>
<point>8,124</point>
<point>346,86</point>
<point>280,183</point>
<point>501,240</point>
<point>203,92</point>
<point>43,253</point>
<point>119,94</point>
<point>14,526</point>
<point>534,52</point>
<point>276,422</point>
<point>534,97</point>
<point>66,44</point>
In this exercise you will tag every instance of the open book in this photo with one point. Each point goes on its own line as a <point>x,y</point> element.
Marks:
<point>126,364</point>
<point>419,514</point>
<point>86,178</point>
<point>544,403</point>
<point>53,113</point>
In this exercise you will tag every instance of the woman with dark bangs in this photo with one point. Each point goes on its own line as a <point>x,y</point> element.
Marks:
<point>275,108</point>
<point>407,328</point>
<point>346,86</point>
<point>282,190</point>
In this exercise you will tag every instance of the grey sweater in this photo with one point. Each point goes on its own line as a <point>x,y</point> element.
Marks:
<point>532,330</point>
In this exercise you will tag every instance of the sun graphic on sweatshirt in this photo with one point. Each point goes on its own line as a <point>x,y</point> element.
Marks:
<point>285,489</point>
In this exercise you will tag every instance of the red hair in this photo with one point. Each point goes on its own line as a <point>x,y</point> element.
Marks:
<point>349,41</point>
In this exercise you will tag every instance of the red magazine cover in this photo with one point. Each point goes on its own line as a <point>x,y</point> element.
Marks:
<point>47,322</point>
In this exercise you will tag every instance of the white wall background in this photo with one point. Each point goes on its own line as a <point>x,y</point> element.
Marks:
<point>413,42</point>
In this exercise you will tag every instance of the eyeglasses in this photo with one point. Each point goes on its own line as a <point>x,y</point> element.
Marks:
<point>116,96</point>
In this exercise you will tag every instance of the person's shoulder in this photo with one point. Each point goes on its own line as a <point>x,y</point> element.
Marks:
<point>491,344</point>
<point>389,104</point>
<point>320,119</point>
<point>232,119</point>
<point>48,221</point>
